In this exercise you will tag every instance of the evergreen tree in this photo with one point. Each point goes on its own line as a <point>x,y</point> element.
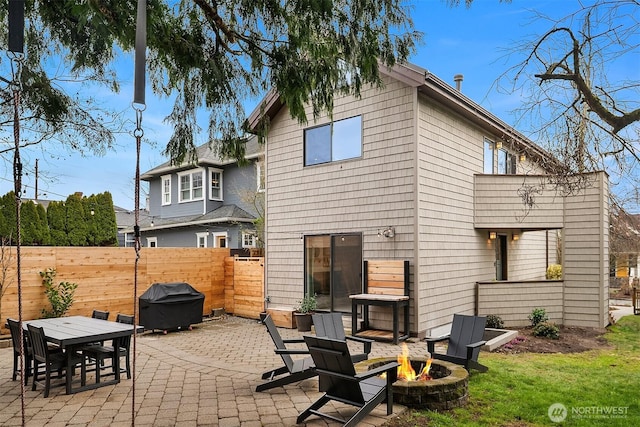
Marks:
<point>107,232</point>
<point>43,226</point>
<point>57,218</point>
<point>8,212</point>
<point>29,223</point>
<point>77,228</point>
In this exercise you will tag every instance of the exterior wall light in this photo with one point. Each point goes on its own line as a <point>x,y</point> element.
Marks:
<point>493,235</point>
<point>523,157</point>
<point>388,232</point>
<point>515,236</point>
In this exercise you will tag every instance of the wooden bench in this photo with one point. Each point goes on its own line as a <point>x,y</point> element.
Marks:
<point>386,283</point>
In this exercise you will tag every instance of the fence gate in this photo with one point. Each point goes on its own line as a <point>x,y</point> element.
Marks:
<point>244,286</point>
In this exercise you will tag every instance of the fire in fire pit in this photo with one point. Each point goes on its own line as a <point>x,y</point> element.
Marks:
<point>406,371</point>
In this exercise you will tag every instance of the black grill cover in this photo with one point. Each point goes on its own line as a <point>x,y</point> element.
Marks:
<point>170,306</point>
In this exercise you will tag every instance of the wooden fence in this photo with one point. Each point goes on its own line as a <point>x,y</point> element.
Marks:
<point>105,278</point>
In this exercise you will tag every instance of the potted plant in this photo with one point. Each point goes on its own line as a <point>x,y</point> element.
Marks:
<point>306,307</point>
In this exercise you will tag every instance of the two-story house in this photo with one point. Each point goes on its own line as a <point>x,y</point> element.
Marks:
<point>210,203</point>
<point>417,171</point>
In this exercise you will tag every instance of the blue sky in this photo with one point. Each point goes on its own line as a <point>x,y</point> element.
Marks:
<point>469,41</point>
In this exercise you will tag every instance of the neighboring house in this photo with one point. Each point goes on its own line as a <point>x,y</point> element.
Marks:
<point>125,220</point>
<point>624,249</point>
<point>207,204</point>
<point>417,171</point>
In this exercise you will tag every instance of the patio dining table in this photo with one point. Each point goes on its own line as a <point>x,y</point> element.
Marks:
<point>73,332</point>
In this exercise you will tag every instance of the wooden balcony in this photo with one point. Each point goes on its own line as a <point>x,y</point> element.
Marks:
<point>526,202</point>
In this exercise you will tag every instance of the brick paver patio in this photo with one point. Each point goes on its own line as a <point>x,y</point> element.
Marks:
<point>203,377</point>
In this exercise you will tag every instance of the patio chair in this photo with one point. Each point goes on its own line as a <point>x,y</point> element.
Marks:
<point>99,314</point>
<point>100,353</point>
<point>293,370</point>
<point>51,360</point>
<point>330,325</point>
<point>14,328</point>
<point>465,341</point>
<point>363,390</point>
<point>102,315</point>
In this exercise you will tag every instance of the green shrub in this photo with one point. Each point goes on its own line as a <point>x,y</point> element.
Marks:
<point>554,272</point>
<point>494,322</point>
<point>546,329</point>
<point>308,304</point>
<point>538,315</point>
<point>60,296</point>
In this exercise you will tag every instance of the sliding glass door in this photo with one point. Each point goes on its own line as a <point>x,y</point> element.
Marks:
<point>333,269</point>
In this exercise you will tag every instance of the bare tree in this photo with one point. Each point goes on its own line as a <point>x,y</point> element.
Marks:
<point>575,103</point>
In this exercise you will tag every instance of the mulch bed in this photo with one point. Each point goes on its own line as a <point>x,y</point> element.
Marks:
<point>572,339</point>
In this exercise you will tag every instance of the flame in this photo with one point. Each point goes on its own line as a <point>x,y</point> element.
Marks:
<point>424,374</point>
<point>405,370</point>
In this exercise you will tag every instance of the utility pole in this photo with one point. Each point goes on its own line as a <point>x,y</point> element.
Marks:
<point>35,197</point>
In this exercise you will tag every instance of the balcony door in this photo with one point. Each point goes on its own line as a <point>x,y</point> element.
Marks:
<point>501,257</point>
<point>333,269</point>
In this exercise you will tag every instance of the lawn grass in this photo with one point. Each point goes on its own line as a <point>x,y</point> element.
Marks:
<point>519,388</point>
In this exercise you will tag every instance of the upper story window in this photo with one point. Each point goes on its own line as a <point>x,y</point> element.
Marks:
<point>335,141</point>
<point>191,186</point>
<point>215,176</point>
<point>166,190</point>
<point>488,156</point>
<point>498,160</point>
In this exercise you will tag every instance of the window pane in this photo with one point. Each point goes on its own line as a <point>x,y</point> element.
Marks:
<point>197,185</point>
<point>511,163</point>
<point>317,259</point>
<point>347,139</point>
<point>317,145</point>
<point>185,187</point>
<point>502,161</point>
<point>166,191</point>
<point>346,278</point>
<point>488,157</point>
<point>215,185</point>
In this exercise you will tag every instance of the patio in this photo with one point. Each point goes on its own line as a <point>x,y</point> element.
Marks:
<point>203,377</point>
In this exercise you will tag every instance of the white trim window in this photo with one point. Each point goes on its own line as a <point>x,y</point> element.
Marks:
<point>248,240</point>
<point>191,186</point>
<point>219,239</point>
<point>339,140</point>
<point>202,239</point>
<point>166,190</point>
<point>152,242</point>
<point>215,187</point>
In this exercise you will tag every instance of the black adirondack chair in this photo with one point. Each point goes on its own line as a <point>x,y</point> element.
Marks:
<point>465,341</point>
<point>293,370</point>
<point>330,325</point>
<point>364,390</point>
